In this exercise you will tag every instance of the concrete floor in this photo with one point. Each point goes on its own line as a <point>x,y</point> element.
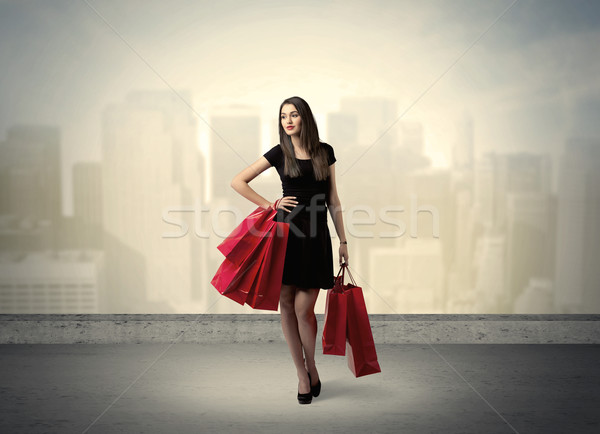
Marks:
<point>231,388</point>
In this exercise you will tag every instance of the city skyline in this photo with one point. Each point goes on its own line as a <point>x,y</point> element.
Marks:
<point>470,127</point>
<point>479,236</point>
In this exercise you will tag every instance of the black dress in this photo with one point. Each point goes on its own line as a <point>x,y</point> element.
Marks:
<point>308,256</point>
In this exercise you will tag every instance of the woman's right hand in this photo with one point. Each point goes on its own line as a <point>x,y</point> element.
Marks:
<point>287,201</point>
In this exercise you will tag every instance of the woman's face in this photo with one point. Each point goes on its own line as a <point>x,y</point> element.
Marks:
<point>290,119</point>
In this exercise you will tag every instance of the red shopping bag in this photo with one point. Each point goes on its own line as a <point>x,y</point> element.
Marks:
<point>334,329</point>
<point>265,292</point>
<point>244,238</point>
<point>254,260</point>
<point>362,356</point>
<point>234,281</point>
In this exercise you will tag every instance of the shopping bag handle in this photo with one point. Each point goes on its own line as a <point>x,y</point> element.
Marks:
<point>274,206</point>
<point>350,274</point>
<point>343,267</point>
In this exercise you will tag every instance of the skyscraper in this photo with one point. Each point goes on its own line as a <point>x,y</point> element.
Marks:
<point>150,178</point>
<point>30,163</point>
<point>234,143</point>
<point>578,233</point>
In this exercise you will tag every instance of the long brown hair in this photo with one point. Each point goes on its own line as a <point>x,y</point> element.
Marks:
<point>309,137</point>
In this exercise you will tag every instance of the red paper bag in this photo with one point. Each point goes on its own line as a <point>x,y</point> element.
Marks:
<point>234,281</point>
<point>244,238</point>
<point>265,292</point>
<point>254,258</point>
<point>334,329</point>
<point>362,356</point>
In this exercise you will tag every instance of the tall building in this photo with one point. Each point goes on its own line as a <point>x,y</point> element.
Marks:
<point>519,173</point>
<point>86,227</point>
<point>578,233</point>
<point>460,275</point>
<point>30,164</point>
<point>484,204</point>
<point>151,183</point>
<point>489,263</point>
<point>529,245</point>
<point>234,143</point>
<point>513,198</point>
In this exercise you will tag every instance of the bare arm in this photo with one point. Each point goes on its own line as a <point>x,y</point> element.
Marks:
<point>335,210</point>
<point>240,182</point>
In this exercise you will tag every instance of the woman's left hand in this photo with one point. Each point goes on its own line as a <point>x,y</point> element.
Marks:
<point>343,253</point>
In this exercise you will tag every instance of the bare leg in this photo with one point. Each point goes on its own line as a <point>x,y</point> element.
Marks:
<point>307,327</point>
<point>289,324</point>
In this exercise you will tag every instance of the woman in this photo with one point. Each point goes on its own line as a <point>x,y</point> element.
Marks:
<point>306,167</point>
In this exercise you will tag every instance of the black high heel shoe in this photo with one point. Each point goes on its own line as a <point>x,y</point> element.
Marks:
<point>316,389</point>
<point>305,398</point>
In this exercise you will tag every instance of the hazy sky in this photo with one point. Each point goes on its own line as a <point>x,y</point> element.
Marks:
<point>529,82</point>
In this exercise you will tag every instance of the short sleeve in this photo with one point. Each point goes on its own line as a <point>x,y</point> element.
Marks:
<point>274,155</point>
<point>330,154</point>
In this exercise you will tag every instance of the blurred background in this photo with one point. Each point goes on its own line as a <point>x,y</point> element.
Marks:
<point>466,135</point>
